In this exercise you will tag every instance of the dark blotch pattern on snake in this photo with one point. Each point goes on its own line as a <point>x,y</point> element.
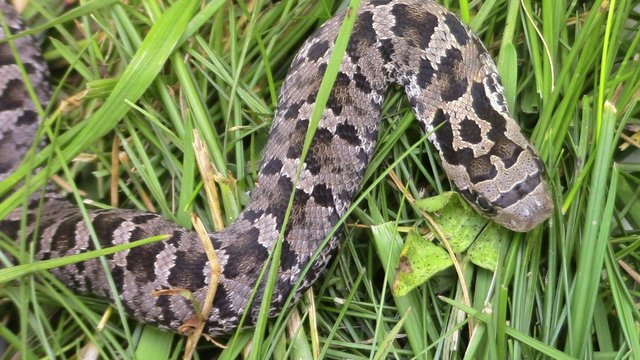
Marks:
<point>453,87</point>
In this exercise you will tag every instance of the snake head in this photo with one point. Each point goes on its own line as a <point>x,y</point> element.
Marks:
<point>518,199</point>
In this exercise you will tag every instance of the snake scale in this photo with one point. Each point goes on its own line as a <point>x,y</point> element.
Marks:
<point>456,95</point>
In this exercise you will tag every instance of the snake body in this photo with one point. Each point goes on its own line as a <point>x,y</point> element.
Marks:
<point>455,93</point>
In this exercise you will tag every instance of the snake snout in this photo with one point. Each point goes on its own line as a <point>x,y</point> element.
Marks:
<point>532,210</point>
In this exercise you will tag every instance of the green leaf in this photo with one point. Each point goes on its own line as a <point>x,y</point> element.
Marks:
<point>457,220</point>
<point>420,259</point>
<point>485,251</point>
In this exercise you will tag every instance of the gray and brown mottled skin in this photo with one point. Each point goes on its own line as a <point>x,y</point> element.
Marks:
<point>452,85</point>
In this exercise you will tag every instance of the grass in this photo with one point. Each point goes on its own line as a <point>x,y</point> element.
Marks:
<point>154,72</point>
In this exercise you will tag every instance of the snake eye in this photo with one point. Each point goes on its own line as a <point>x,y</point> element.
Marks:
<point>484,204</point>
<point>479,202</point>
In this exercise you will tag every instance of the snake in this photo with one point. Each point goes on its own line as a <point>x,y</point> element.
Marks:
<point>455,93</point>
